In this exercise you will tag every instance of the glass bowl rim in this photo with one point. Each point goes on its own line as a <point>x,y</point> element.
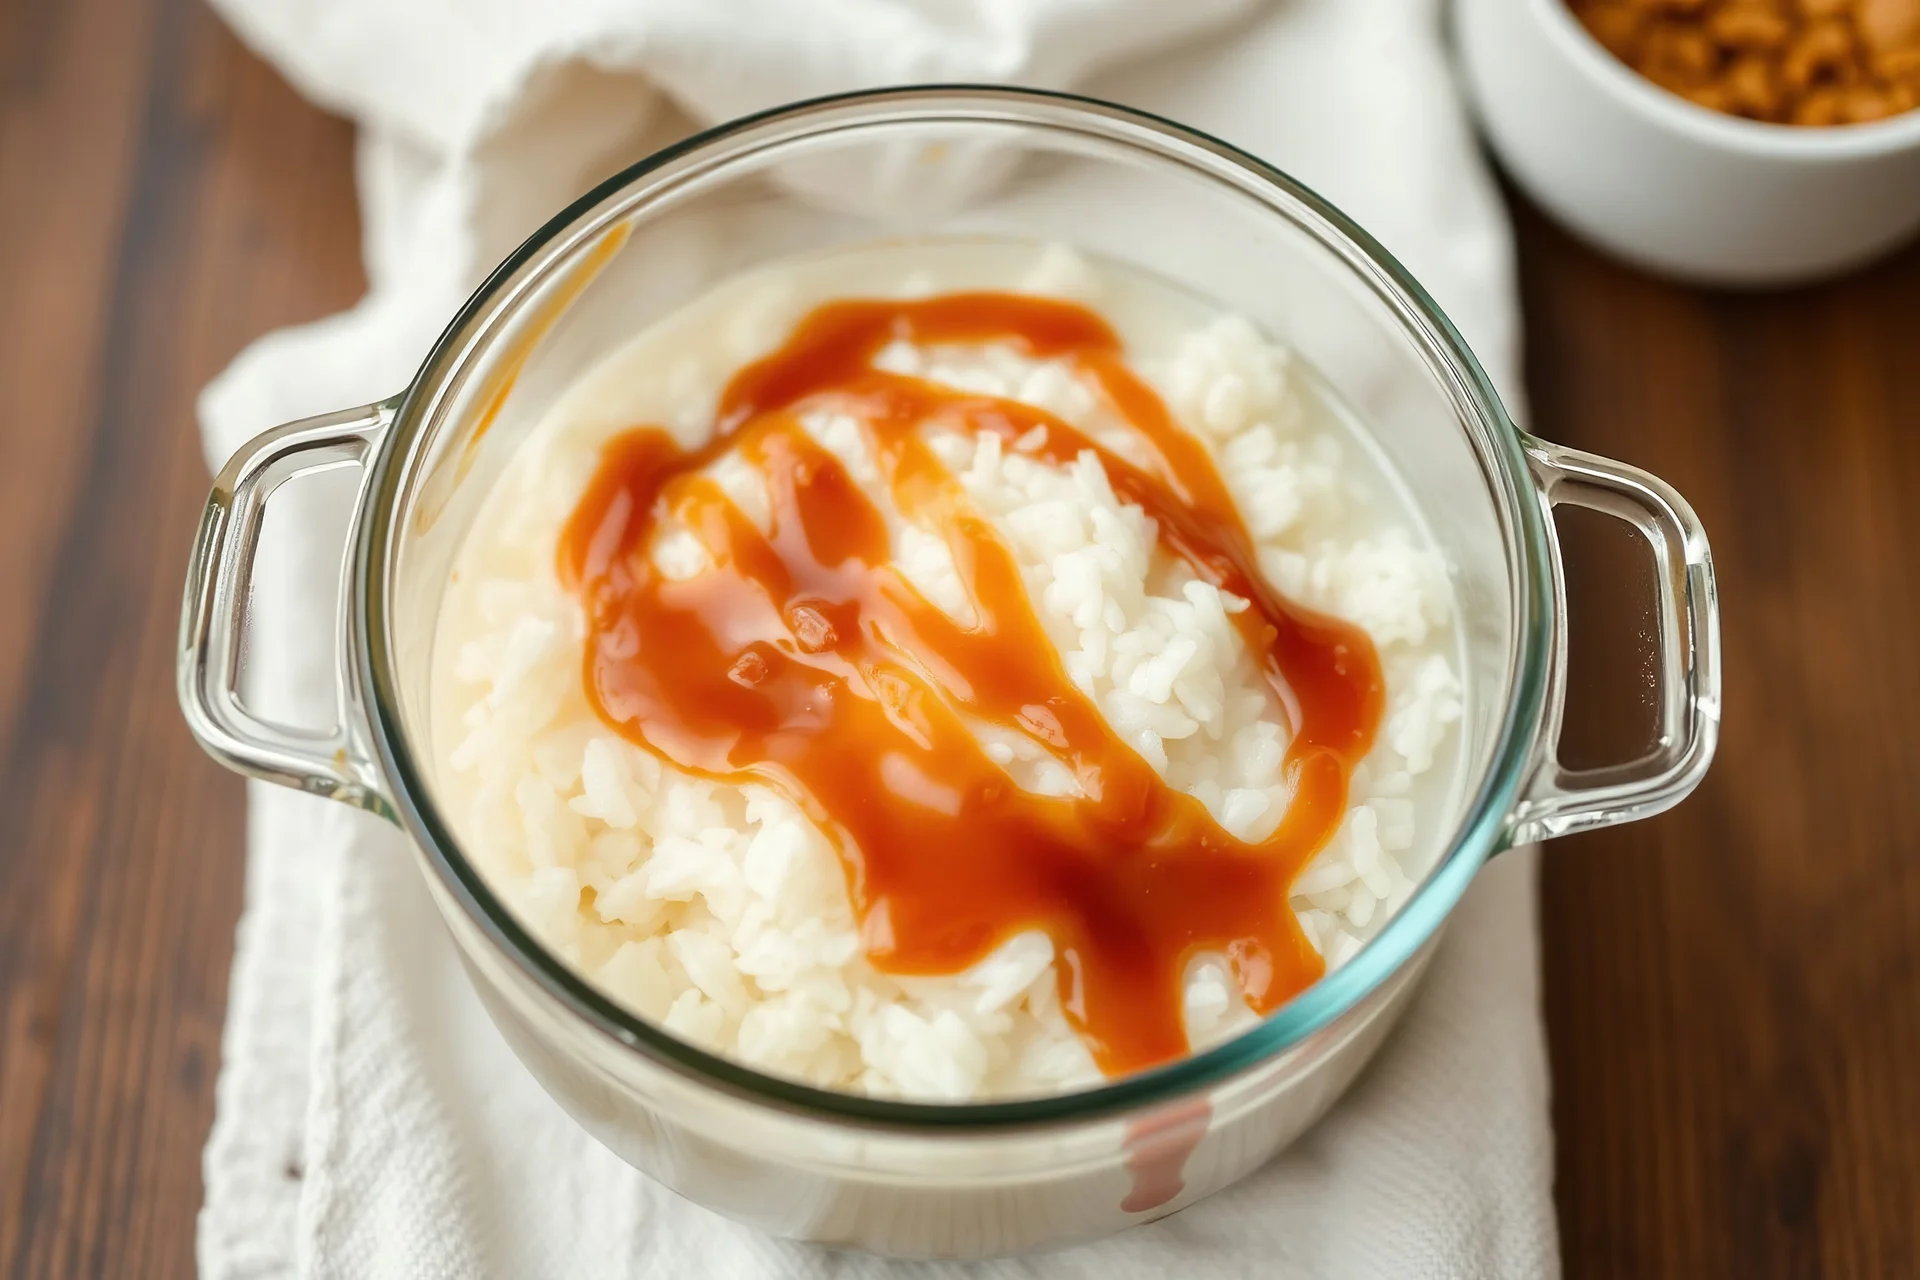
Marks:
<point>1482,829</point>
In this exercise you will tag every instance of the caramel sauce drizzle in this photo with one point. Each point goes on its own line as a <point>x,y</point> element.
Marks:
<point>804,660</point>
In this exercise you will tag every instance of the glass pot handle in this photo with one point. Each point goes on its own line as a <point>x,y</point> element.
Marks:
<point>332,762</point>
<point>1559,800</point>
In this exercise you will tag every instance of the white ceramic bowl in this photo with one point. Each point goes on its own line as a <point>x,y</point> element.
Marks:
<point>1666,184</point>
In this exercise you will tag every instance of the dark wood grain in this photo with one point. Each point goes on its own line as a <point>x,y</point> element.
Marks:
<point>164,198</point>
<point>1733,990</point>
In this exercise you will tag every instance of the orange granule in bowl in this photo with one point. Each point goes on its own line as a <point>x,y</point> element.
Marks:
<point>1804,62</point>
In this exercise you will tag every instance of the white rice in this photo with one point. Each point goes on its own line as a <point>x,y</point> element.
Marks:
<point>719,912</point>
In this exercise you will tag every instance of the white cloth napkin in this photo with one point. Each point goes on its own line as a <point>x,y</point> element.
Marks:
<point>370,1123</point>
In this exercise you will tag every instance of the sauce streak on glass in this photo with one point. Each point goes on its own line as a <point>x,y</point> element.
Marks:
<point>1158,1146</point>
<point>802,659</point>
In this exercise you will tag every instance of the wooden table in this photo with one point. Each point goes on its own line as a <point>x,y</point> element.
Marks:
<point>1732,990</point>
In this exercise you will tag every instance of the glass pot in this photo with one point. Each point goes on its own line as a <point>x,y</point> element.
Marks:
<point>924,1179</point>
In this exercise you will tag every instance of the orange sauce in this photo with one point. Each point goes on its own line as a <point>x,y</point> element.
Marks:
<point>803,660</point>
